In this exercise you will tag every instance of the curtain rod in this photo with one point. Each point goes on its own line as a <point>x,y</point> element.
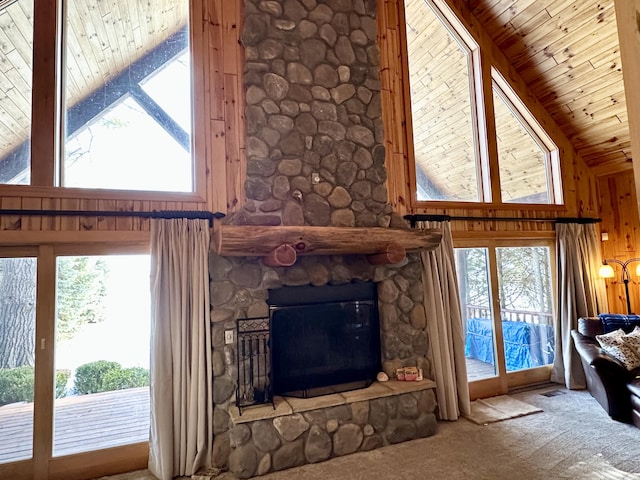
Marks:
<point>446,218</point>
<point>190,214</point>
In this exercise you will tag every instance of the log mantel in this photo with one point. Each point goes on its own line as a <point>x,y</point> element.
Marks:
<point>247,241</point>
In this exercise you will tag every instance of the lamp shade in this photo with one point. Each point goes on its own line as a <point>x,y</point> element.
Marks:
<point>638,270</point>
<point>606,271</point>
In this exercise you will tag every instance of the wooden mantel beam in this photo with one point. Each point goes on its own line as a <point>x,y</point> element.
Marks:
<point>247,241</point>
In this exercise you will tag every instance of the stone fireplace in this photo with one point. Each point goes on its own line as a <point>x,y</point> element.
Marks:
<point>315,157</point>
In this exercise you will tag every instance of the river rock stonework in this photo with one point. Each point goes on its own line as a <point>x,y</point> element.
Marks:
<point>314,146</point>
<point>239,290</point>
<point>275,444</point>
<point>315,156</point>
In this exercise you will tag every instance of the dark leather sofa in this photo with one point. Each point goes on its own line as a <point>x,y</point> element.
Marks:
<point>609,382</point>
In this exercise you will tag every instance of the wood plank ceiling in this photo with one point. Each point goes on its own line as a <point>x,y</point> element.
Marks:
<point>567,51</point>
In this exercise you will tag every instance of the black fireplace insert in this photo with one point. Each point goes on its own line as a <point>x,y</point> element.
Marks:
<point>324,339</point>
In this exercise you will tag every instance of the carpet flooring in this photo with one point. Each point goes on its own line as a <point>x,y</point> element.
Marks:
<point>572,438</point>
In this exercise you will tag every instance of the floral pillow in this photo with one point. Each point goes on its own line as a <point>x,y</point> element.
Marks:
<point>624,347</point>
<point>633,340</point>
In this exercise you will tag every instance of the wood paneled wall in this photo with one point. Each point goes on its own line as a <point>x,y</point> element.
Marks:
<point>620,221</point>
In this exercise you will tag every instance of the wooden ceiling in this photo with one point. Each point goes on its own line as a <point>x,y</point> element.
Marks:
<point>567,51</point>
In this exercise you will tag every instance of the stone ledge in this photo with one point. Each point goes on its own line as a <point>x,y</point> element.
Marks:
<point>289,405</point>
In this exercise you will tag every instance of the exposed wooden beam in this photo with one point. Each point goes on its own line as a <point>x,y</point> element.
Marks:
<point>247,240</point>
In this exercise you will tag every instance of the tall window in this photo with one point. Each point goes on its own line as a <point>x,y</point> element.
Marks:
<point>102,354</point>
<point>126,95</point>
<point>16,25</point>
<point>506,296</point>
<point>74,335</point>
<point>526,160</point>
<point>443,110</point>
<point>451,147</point>
<point>17,356</point>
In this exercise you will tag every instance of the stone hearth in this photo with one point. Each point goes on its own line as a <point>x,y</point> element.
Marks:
<point>299,431</point>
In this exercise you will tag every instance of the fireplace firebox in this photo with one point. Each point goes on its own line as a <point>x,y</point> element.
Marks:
<point>324,339</point>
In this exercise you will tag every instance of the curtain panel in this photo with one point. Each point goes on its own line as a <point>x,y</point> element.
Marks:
<point>580,294</point>
<point>444,324</point>
<point>181,379</point>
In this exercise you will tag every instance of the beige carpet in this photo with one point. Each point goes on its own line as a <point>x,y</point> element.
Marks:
<point>571,439</point>
<point>597,468</point>
<point>496,409</point>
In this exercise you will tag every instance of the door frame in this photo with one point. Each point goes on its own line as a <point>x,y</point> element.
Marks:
<point>505,381</point>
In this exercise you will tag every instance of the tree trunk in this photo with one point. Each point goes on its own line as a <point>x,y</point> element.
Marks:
<point>17,312</point>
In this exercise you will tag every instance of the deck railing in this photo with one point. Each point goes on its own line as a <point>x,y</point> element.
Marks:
<point>506,314</point>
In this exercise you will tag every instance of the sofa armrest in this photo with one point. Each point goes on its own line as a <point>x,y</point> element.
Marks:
<point>593,355</point>
<point>606,376</point>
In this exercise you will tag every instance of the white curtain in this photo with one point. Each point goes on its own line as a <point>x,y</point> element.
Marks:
<point>181,378</point>
<point>580,294</point>
<point>444,324</point>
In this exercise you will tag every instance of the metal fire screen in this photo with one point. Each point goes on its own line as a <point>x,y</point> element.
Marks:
<point>254,362</point>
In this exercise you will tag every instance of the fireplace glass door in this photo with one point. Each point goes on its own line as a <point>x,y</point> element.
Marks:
<point>324,339</point>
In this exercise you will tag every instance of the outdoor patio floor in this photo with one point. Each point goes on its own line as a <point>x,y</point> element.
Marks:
<point>82,423</point>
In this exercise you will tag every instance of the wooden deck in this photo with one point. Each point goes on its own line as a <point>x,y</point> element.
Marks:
<point>479,370</point>
<point>83,423</point>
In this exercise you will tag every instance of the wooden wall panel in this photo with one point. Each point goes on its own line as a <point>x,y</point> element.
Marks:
<point>628,15</point>
<point>621,222</point>
<point>394,94</point>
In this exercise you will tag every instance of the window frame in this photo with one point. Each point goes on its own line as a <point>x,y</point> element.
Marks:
<point>47,110</point>
<point>537,133</point>
<point>482,78</point>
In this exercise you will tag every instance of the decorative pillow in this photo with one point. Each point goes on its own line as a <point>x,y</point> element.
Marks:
<point>614,321</point>
<point>614,344</point>
<point>632,340</point>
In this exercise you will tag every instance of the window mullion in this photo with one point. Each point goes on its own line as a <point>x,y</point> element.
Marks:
<point>45,136</point>
<point>487,133</point>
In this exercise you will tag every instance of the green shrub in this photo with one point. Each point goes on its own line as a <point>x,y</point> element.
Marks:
<point>62,377</point>
<point>16,385</point>
<point>126,378</point>
<point>90,376</point>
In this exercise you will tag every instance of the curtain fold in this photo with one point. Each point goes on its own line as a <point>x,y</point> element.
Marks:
<point>181,379</point>
<point>580,294</point>
<point>444,324</point>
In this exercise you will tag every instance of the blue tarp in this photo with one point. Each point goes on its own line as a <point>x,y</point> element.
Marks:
<point>526,345</point>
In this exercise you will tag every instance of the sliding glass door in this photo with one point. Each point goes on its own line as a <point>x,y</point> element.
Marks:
<point>74,361</point>
<point>508,314</point>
